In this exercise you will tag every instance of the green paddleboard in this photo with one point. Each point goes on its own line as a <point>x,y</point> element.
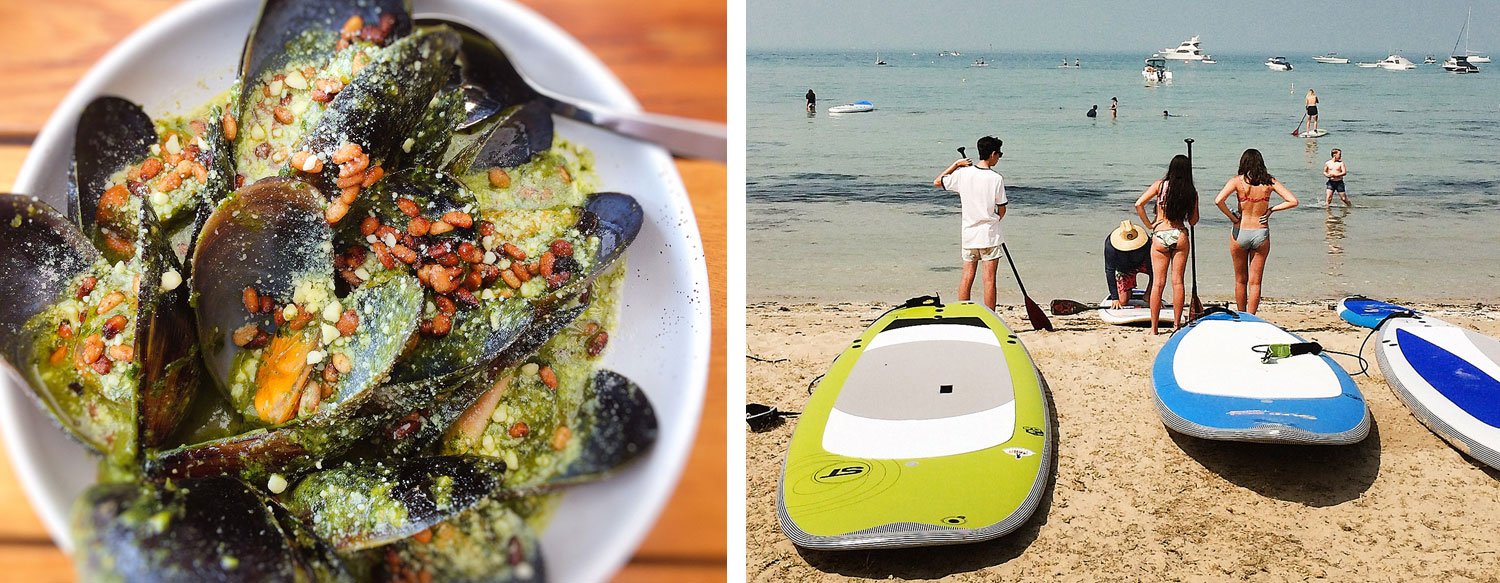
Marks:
<point>931,428</point>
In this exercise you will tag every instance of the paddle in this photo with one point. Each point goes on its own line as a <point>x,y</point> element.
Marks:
<point>1296,132</point>
<point>1070,307</point>
<point>1196,307</point>
<point>1034,313</point>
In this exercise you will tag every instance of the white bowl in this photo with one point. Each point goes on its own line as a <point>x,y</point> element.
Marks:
<point>663,341</point>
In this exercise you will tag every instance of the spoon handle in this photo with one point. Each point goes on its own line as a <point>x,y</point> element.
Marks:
<point>689,138</point>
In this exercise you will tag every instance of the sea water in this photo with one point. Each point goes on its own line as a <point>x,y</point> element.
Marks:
<point>842,207</point>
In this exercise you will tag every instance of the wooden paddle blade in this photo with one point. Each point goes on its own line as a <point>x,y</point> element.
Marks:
<point>1038,319</point>
<point>1068,307</point>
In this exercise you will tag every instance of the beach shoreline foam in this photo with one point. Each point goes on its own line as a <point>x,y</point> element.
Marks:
<point>1131,500</point>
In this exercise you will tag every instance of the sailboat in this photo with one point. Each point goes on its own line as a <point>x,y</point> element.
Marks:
<point>877,59</point>
<point>1464,63</point>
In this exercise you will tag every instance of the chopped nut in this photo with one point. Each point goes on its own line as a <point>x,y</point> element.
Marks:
<point>252,300</point>
<point>498,178</point>
<point>110,301</point>
<point>86,287</point>
<point>114,326</point>
<point>560,437</point>
<point>458,219</point>
<point>515,252</point>
<point>562,248</point>
<point>548,376</point>
<point>597,343</point>
<point>231,128</point>
<point>121,353</point>
<point>519,430</point>
<point>439,227</point>
<point>150,168</point>
<point>244,335</point>
<point>342,363</point>
<point>335,211</point>
<point>408,207</point>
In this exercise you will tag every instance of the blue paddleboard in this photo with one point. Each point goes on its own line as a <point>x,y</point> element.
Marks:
<point>1210,382</point>
<point>1367,313</point>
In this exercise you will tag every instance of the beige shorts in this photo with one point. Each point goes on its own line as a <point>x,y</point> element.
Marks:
<point>981,254</point>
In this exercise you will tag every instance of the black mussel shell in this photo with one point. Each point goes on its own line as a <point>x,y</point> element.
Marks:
<point>165,337</point>
<point>386,100</point>
<point>616,425</point>
<point>493,82</point>
<point>213,529</point>
<point>112,133</point>
<point>265,236</point>
<point>41,253</point>
<point>616,219</point>
<point>373,503</point>
<point>509,140</point>
<point>283,22</point>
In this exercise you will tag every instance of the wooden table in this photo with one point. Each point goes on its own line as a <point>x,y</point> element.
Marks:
<point>670,53</point>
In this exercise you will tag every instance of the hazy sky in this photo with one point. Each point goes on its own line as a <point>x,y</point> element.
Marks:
<point>1289,27</point>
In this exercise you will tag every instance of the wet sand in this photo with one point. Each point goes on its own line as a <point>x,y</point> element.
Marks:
<point>1131,501</point>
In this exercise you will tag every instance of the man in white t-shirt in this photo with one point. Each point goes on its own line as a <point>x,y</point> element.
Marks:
<point>981,191</point>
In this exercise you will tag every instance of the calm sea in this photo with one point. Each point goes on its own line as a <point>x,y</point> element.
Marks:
<point>841,207</point>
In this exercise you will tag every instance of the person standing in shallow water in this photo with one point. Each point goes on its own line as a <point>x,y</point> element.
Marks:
<point>1334,170</point>
<point>1114,106</point>
<point>1092,112</point>
<point>812,100</point>
<point>981,193</point>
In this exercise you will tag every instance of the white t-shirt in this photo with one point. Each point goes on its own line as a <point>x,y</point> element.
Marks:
<point>981,190</point>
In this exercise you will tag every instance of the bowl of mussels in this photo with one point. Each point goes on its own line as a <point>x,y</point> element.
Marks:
<point>321,291</point>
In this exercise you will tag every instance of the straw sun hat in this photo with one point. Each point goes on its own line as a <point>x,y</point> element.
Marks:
<point>1128,237</point>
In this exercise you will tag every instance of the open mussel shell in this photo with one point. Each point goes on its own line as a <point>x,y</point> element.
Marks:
<point>171,370</point>
<point>41,253</point>
<point>367,504</point>
<point>616,220</point>
<point>269,235</point>
<point>112,134</point>
<point>438,414</point>
<point>278,34</point>
<point>508,140</point>
<point>490,543</point>
<point>213,529</point>
<point>386,100</point>
<point>432,135</point>
<point>616,425</point>
<point>492,82</point>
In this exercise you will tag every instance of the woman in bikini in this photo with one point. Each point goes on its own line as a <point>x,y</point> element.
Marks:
<point>1175,204</point>
<point>1250,239</point>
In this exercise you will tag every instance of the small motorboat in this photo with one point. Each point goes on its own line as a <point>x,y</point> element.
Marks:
<point>1367,65</point>
<point>1156,71</point>
<point>1429,60</point>
<point>1209,60</point>
<point>1477,57</point>
<point>856,107</point>
<point>979,62</point>
<point>1332,59</point>
<point>1278,64</point>
<point>1396,63</point>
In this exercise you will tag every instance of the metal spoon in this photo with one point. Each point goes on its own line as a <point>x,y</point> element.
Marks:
<point>492,83</point>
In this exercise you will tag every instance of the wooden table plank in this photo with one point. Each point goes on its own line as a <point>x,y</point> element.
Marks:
<point>670,53</point>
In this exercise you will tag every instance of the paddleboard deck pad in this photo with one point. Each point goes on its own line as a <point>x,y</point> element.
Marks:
<point>1211,383</point>
<point>931,428</point>
<point>1367,313</point>
<point>1136,311</point>
<point>1450,379</point>
<point>1317,134</point>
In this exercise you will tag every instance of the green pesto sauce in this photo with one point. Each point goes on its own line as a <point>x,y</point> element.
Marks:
<point>100,409</point>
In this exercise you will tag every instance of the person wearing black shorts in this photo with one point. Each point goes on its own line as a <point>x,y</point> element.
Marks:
<point>1312,111</point>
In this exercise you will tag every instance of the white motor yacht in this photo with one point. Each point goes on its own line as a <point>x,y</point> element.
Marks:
<point>1278,64</point>
<point>1459,64</point>
<point>1187,51</point>
<point>1396,63</point>
<point>1332,59</point>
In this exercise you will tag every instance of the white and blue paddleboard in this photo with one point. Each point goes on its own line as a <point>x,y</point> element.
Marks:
<point>1450,379</point>
<point>1367,313</point>
<point>1211,382</point>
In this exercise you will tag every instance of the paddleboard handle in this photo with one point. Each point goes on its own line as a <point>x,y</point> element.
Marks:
<point>923,301</point>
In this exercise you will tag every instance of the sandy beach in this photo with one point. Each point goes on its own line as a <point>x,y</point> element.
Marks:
<point>1131,501</point>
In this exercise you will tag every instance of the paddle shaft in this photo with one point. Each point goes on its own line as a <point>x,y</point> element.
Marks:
<point>1294,132</point>
<point>1196,307</point>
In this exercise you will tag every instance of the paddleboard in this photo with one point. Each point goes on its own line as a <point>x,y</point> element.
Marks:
<point>931,428</point>
<point>1210,383</point>
<point>1450,379</point>
<point>1136,311</point>
<point>1317,134</point>
<point>1367,313</point>
<point>856,107</point>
